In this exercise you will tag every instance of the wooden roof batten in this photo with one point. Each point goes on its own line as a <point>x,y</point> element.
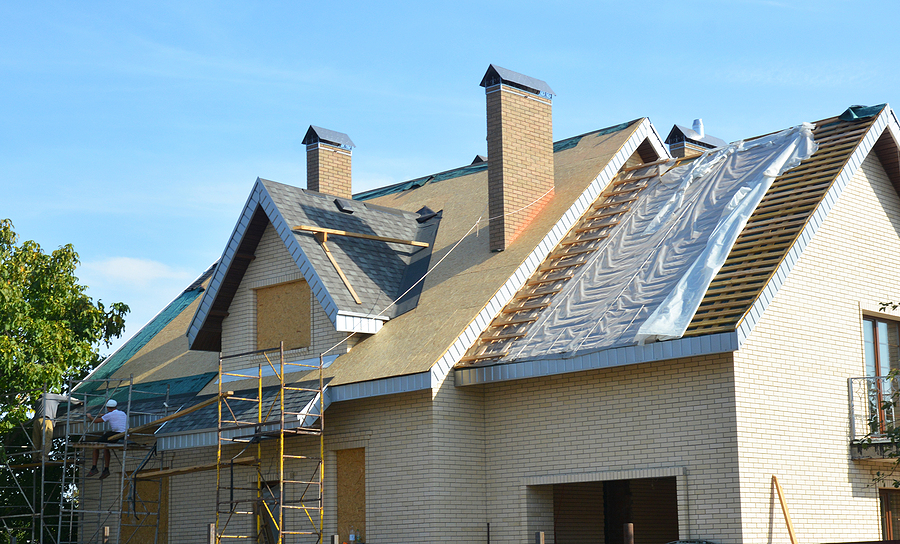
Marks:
<point>808,183</point>
<point>514,320</point>
<point>763,245</point>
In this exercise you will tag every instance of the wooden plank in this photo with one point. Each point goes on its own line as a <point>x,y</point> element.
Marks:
<point>594,238</point>
<point>36,465</point>
<point>186,411</point>
<point>542,281</point>
<point>322,230</point>
<point>513,321</point>
<point>340,272</point>
<point>482,357</point>
<point>645,165</point>
<point>784,510</point>
<point>153,474</point>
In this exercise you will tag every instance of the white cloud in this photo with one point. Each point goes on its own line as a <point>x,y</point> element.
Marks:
<point>141,273</point>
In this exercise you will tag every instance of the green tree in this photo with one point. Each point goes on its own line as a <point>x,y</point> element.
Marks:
<point>49,327</point>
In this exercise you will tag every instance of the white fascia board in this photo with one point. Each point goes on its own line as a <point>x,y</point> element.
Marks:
<point>627,355</point>
<point>657,141</point>
<point>348,322</point>
<point>209,295</point>
<point>383,386</point>
<point>644,131</point>
<point>886,120</point>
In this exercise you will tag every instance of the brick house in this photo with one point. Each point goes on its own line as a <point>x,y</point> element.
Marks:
<point>605,334</point>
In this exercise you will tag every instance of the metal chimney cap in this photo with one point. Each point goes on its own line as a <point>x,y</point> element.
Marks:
<point>698,127</point>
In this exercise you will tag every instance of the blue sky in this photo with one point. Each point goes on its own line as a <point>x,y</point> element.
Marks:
<point>135,131</point>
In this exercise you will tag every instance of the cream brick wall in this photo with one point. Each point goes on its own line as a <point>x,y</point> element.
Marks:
<point>458,479</point>
<point>791,374</point>
<point>397,435</point>
<point>99,500</point>
<point>328,170</point>
<point>665,415</point>
<point>273,265</point>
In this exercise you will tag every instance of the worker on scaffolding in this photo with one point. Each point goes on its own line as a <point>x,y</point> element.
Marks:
<point>118,422</point>
<point>44,418</point>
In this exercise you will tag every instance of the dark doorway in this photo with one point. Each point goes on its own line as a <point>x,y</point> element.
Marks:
<point>592,512</point>
<point>651,504</point>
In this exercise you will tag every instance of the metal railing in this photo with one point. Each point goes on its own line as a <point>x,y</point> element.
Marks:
<point>873,407</point>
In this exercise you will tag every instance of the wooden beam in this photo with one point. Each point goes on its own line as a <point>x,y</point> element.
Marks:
<point>784,509</point>
<point>37,464</point>
<point>323,230</point>
<point>186,411</point>
<point>322,237</point>
<point>153,474</point>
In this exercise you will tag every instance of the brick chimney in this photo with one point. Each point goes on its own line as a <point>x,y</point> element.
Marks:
<point>520,151</point>
<point>328,155</point>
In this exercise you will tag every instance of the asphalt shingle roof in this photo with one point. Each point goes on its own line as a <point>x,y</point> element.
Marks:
<point>377,270</point>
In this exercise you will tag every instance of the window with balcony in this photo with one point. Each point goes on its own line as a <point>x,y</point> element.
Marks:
<point>881,340</point>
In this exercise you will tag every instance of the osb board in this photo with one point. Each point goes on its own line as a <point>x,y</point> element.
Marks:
<point>351,492</point>
<point>283,313</point>
<point>143,527</point>
<point>463,284</point>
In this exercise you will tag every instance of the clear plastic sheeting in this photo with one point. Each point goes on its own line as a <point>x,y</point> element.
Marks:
<point>647,282</point>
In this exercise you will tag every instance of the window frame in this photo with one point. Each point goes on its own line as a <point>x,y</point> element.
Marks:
<point>881,391</point>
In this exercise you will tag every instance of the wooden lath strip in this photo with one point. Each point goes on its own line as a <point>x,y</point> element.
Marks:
<point>154,474</point>
<point>544,281</point>
<point>498,322</point>
<point>594,238</point>
<point>322,237</point>
<point>816,171</point>
<point>496,337</point>
<point>625,170</point>
<point>524,308</point>
<point>508,326</point>
<point>482,357</point>
<point>322,230</point>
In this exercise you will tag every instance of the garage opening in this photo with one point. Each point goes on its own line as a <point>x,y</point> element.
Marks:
<point>591,512</point>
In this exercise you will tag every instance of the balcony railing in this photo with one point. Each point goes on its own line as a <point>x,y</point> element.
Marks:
<point>873,407</point>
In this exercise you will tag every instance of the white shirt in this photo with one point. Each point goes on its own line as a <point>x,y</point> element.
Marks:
<point>117,420</point>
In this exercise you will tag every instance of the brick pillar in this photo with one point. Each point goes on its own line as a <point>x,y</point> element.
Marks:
<point>520,159</point>
<point>328,169</point>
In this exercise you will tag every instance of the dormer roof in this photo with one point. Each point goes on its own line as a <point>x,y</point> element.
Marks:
<point>680,133</point>
<point>378,255</point>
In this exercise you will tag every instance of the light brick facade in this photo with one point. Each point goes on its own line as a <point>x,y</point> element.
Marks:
<point>328,169</point>
<point>791,375</point>
<point>442,464</point>
<point>273,265</point>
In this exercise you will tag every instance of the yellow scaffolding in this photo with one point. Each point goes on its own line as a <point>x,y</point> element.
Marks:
<point>279,508</point>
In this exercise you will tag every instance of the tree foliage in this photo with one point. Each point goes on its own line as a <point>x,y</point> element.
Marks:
<point>49,327</point>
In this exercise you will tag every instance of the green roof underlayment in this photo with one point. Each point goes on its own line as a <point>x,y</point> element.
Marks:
<point>139,340</point>
<point>561,145</point>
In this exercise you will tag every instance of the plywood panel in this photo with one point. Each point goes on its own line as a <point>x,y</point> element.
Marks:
<point>283,314</point>
<point>351,492</point>
<point>139,524</point>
